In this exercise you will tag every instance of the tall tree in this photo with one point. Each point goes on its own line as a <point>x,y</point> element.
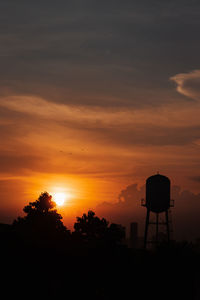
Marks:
<point>42,223</point>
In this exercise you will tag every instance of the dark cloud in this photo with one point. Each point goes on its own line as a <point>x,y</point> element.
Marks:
<point>112,49</point>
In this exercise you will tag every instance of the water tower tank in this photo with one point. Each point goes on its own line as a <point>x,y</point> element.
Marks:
<point>158,193</point>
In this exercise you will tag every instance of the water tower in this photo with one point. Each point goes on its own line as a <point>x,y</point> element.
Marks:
<point>157,202</point>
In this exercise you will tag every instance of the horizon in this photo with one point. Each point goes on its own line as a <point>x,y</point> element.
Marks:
<point>127,208</point>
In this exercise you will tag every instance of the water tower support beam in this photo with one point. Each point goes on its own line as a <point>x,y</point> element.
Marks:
<point>146,228</point>
<point>157,222</point>
<point>167,225</point>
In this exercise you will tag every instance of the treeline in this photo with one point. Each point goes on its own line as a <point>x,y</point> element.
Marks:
<point>40,257</point>
<point>43,226</point>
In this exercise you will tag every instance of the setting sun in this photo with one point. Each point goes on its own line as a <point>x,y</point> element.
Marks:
<point>60,198</point>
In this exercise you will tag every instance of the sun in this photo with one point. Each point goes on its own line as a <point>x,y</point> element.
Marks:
<point>62,196</point>
<point>59,198</point>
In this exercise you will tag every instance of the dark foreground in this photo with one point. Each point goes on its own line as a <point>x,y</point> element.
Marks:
<point>77,271</point>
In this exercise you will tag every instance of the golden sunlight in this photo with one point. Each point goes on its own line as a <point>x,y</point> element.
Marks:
<point>60,198</point>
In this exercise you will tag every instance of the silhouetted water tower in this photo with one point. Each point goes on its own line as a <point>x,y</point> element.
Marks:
<point>157,201</point>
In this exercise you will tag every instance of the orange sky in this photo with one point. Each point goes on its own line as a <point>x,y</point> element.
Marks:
<point>95,98</point>
<point>90,152</point>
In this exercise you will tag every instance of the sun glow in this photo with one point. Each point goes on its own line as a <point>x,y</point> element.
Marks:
<point>60,198</point>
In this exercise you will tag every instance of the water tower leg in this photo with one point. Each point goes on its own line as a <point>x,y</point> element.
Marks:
<point>146,228</point>
<point>167,225</point>
<point>157,222</point>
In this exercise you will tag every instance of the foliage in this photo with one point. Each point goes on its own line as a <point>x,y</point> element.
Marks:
<point>90,226</point>
<point>93,229</point>
<point>43,205</point>
<point>42,223</point>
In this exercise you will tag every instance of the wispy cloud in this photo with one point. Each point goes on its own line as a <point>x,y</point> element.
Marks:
<point>171,115</point>
<point>188,84</point>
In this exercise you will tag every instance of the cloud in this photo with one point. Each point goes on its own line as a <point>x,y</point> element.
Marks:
<point>15,163</point>
<point>110,53</point>
<point>117,127</point>
<point>185,214</point>
<point>188,84</point>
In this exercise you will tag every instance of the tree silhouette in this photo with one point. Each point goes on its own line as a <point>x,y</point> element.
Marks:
<point>92,229</point>
<point>42,223</point>
<point>89,226</point>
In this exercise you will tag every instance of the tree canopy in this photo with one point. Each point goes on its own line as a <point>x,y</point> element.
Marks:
<point>41,223</point>
<point>95,230</point>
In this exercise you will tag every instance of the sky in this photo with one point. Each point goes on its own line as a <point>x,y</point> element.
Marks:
<point>96,96</point>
